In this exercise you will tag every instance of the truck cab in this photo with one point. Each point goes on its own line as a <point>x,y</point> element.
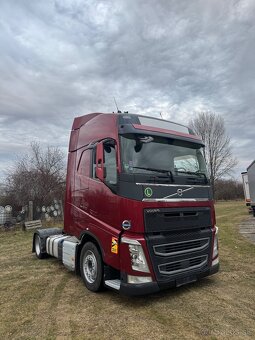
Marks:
<point>138,208</point>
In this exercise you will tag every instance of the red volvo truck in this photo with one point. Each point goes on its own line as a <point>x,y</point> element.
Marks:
<point>139,213</point>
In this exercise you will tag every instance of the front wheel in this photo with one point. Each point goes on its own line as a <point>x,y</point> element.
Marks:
<point>91,267</point>
<point>38,247</point>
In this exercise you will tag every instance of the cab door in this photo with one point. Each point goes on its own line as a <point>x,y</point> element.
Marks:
<point>104,201</point>
<point>81,195</point>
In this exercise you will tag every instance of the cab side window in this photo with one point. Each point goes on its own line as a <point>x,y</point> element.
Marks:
<point>110,163</point>
<point>84,164</point>
<point>94,164</point>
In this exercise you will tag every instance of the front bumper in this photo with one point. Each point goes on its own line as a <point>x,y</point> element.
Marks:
<point>154,287</point>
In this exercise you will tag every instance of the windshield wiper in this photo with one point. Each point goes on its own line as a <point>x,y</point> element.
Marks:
<point>168,172</point>
<point>197,173</point>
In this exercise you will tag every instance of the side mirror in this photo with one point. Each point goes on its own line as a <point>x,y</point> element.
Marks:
<point>100,173</point>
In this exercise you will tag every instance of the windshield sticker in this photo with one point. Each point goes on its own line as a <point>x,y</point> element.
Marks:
<point>130,165</point>
<point>126,167</point>
<point>148,192</point>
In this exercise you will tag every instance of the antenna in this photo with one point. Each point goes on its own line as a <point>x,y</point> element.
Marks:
<point>118,111</point>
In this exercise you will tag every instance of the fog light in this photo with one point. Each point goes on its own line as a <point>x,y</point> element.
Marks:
<point>215,261</point>
<point>138,279</point>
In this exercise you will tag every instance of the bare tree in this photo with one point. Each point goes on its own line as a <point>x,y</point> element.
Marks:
<point>217,152</point>
<point>38,176</point>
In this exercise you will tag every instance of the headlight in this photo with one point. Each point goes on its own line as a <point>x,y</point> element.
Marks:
<point>138,259</point>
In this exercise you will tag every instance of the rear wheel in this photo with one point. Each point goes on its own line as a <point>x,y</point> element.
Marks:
<point>38,247</point>
<point>91,267</point>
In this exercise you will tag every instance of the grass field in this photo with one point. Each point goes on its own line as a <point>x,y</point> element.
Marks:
<point>41,299</point>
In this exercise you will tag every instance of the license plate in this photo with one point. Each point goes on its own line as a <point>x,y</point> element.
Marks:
<point>185,280</point>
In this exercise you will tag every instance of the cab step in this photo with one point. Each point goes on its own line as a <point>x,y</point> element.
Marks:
<point>115,284</point>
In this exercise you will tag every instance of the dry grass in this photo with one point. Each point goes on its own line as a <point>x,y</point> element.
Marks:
<point>42,300</point>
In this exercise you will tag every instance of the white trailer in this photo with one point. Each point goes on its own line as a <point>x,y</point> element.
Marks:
<point>246,188</point>
<point>251,181</point>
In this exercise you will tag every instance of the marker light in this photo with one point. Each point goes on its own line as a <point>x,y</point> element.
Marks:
<point>215,244</point>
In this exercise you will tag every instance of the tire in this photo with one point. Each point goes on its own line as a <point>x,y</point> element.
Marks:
<point>91,267</point>
<point>38,247</point>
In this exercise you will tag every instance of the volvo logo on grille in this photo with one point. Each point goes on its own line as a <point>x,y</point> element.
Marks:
<point>179,192</point>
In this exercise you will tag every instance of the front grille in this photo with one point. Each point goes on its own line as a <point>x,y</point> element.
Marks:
<point>177,219</point>
<point>175,248</point>
<point>183,265</point>
<point>179,241</point>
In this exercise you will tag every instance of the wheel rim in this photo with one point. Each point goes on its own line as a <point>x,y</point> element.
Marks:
<point>37,245</point>
<point>90,267</point>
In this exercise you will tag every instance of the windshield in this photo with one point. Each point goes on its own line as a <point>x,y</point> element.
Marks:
<point>155,155</point>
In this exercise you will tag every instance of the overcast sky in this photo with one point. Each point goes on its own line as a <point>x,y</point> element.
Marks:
<point>64,58</point>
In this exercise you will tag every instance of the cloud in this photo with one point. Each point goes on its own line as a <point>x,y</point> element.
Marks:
<point>63,58</point>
